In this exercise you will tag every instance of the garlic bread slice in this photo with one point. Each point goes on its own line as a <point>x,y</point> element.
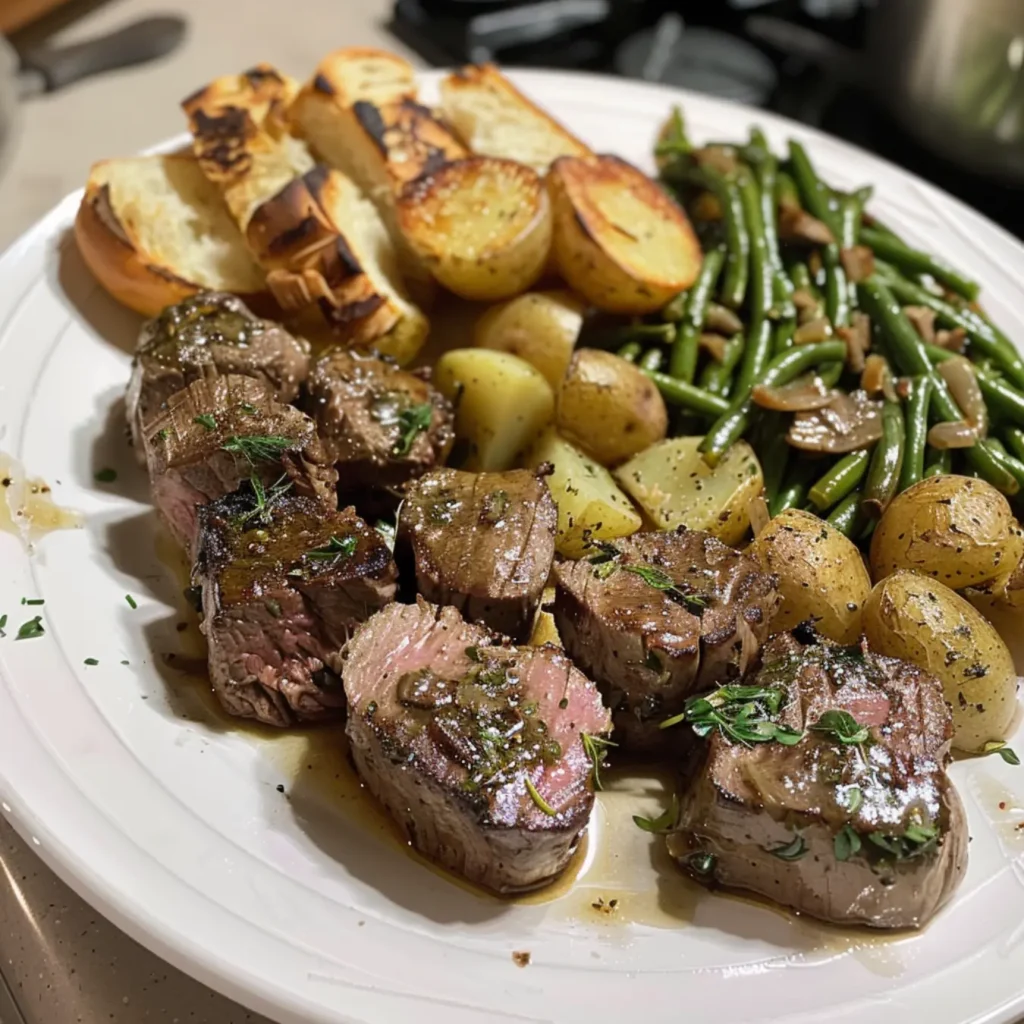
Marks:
<point>482,226</point>
<point>493,118</point>
<point>619,239</point>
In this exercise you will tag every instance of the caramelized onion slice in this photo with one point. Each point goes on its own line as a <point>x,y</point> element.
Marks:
<point>877,378</point>
<point>813,331</point>
<point>714,345</point>
<point>801,395</point>
<point>858,262</point>
<point>923,320</point>
<point>952,435</point>
<point>848,423</point>
<point>858,341</point>
<point>797,225</point>
<point>963,386</point>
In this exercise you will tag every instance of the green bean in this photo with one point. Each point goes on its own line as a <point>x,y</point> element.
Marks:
<point>800,275</point>
<point>630,351</point>
<point>1002,399</point>
<point>786,192</point>
<point>1010,464</point>
<point>846,516</point>
<point>674,140</point>
<point>782,335</point>
<point>816,195</point>
<point>767,171</point>
<point>737,263</point>
<point>717,376</point>
<point>917,432</point>
<point>851,209</point>
<point>886,461</point>
<point>652,359</point>
<point>760,256</point>
<point>677,392</point>
<point>844,477</point>
<point>757,353</point>
<point>674,309</point>
<point>913,261</point>
<point>939,462</point>
<point>773,452</point>
<point>1014,438</point>
<point>793,491</point>
<point>657,333</point>
<point>837,288</point>
<point>732,424</point>
<point>683,360</point>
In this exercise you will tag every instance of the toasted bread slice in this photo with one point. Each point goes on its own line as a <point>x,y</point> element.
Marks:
<point>483,226</point>
<point>154,230</point>
<point>357,73</point>
<point>619,240</point>
<point>340,257</point>
<point>493,118</point>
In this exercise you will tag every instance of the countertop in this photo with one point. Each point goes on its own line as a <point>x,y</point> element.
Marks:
<point>64,963</point>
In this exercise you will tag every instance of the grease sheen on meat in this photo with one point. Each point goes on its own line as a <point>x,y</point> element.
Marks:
<point>649,648</point>
<point>203,335</point>
<point>446,727</point>
<point>284,584</point>
<point>195,455</point>
<point>483,542</point>
<point>866,833</point>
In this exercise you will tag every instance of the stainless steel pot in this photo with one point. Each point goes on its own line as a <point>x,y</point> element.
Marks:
<point>951,71</point>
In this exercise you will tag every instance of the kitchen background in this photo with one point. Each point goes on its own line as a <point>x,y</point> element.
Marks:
<point>934,85</point>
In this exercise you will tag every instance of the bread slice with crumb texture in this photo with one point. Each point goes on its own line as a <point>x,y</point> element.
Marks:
<point>493,118</point>
<point>154,230</point>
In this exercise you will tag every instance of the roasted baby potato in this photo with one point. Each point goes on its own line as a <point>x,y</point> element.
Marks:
<point>501,404</point>
<point>590,506</point>
<point>540,327</point>
<point>821,575</point>
<point>619,240</point>
<point>481,225</point>
<point>609,408</point>
<point>916,618</point>
<point>673,484</point>
<point>953,528</point>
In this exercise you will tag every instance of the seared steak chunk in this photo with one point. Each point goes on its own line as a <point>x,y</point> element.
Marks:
<point>222,431</point>
<point>660,616</point>
<point>473,747</point>
<point>851,818</point>
<point>482,542</point>
<point>284,583</point>
<point>201,336</point>
<point>382,425</point>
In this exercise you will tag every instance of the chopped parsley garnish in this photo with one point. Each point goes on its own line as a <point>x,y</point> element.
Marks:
<point>336,548</point>
<point>264,502</point>
<point>31,629</point>
<point>32,600</point>
<point>3,622</point>
<point>132,603</point>
<point>248,408</point>
<point>162,435</point>
<point>389,531</point>
<point>473,653</point>
<point>255,448</point>
<point>917,839</point>
<point>663,823</point>
<point>207,420</point>
<point>789,851</point>
<point>274,607</point>
<point>538,799</point>
<point>605,565</point>
<point>91,661</point>
<point>853,797</point>
<point>105,476</point>
<point>842,727</point>
<point>411,423</point>
<point>846,843</point>
<point>994,747</point>
<point>596,747</point>
<point>495,505</point>
<point>743,714</point>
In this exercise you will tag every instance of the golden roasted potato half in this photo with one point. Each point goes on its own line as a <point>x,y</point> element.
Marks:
<point>619,240</point>
<point>609,408</point>
<point>953,528</point>
<point>481,225</point>
<point>540,327</point>
<point>916,618</point>
<point>821,575</point>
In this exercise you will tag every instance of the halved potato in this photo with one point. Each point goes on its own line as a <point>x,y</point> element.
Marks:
<point>609,408</point>
<point>501,404</point>
<point>481,225</point>
<point>540,327</point>
<point>673,484</point>
<point>590,505</point>
<point>619,240</point>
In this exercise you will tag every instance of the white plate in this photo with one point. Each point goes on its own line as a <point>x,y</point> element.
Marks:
<point>171,823</point>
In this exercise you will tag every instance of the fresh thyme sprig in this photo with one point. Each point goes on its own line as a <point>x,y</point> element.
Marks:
<point>411,423</point>
<point>263,508</point>
<point>335,549</point>
<point>255,448</point>
<point>744,714</point>
<point>596,748</point>
<point>665,822</point>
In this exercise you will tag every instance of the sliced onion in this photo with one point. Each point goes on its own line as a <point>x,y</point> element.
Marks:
<point>801,395</point>
<point>858,341</point>
<point>757,509</point>
<point>953,340</point>
<point>714,345</point>
<point>923,320</point>
<point>952,435</point>
<point>858,262</point>
<point>813,331</point>
<point>797,225</point>
<point>848,423</point>
<point>963,385</point>
<point>877,378</point>
<point>722,320</point>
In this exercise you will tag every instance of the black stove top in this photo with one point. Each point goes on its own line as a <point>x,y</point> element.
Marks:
<point>697,44</point>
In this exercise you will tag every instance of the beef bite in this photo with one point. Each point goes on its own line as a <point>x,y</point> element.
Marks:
<point>473,747</point>
<point>658,617</point>
<point>847,814</point>
<point>483,542</point>
<point>284,583</point>
<point>203,335</point>
<point>222,431</point>
<point>382,425</point>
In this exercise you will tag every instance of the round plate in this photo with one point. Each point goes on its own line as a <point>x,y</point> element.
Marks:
<point>171,820</point>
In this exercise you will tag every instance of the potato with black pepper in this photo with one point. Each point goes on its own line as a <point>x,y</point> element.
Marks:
<point>920,620</point>
<point>609,408</point>
<point>956,529</point>
<point>821,575</point>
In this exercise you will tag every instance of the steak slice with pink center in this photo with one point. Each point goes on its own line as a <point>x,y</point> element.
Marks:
<point>473,746</point>
<point>222,431</point>
<point>285,582</point>
<point>658,617</point>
